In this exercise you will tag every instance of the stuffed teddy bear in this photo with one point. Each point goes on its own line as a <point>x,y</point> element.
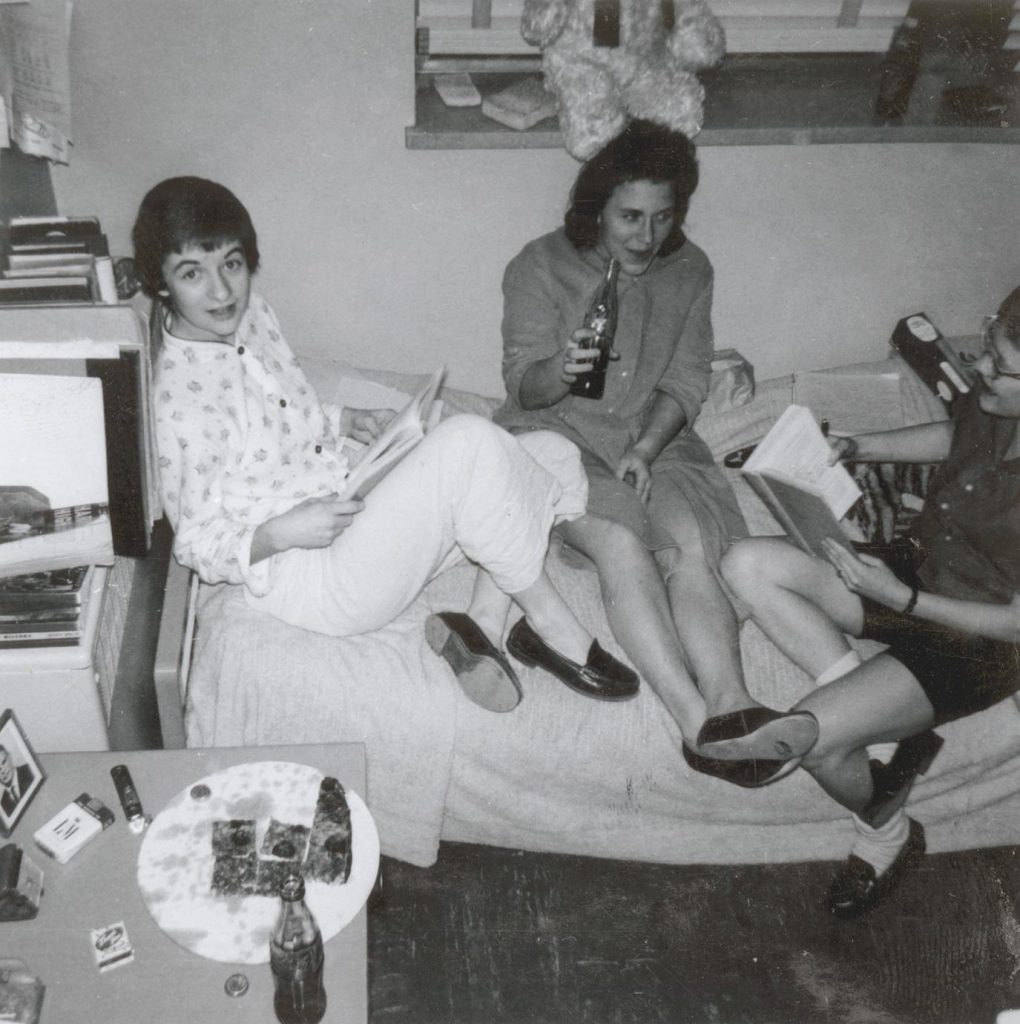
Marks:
<point>607,61</point>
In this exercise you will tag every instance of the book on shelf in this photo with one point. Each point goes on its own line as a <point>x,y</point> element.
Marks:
<point>789,470</point>
<point>39,654</point>
<point>401,434</point>
<point>28,231</point>
<point>932,358</point>
<point>36,290</point>
<point>23,632</point>
<point>23,263</point>
<point>42,249</point>
<point>54,499</point>
<point>60,591</point>
<point>51,618</point>
<point>107,342</point>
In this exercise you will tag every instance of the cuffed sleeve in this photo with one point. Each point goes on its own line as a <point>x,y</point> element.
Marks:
<point>530,321</point>
<point>686,378</point>
<point>207,539</point>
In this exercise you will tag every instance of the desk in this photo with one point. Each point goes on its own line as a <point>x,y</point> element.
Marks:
<point>98,887</point>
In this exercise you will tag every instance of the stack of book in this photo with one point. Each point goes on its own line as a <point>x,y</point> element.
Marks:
<point>56,260</point>
<point>45,609</point>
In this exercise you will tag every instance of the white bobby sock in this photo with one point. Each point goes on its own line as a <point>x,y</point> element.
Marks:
<point>877,751</point>
<point>881,846</point>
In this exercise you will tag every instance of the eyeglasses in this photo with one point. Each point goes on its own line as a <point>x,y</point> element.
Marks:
<point>988,323</point>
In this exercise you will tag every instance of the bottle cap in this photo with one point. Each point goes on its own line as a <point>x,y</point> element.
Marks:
<point>236,985</point>
<point>293,888</point>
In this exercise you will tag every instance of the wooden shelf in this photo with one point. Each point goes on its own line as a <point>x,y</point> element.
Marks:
<point>774,100</point>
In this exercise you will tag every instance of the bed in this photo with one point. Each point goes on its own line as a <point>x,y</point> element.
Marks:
<point>562,773</point>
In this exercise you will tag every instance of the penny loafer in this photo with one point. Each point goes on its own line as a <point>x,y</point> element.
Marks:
<point>892,782</point>
<point>601,676</point>
<point>758,733</point>
<point>484,673</point>
<point>749,773</point>
<point>857,887</point>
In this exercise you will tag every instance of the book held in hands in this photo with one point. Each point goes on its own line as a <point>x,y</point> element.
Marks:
<point>401,434</point>
<point>789,470</point>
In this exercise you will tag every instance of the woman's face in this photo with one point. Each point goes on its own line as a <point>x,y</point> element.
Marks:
<point>207,290</point>
<point>1000,392</point>
<point>635,222</point>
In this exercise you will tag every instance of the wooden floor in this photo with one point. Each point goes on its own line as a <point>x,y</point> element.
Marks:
<point>489,936</point>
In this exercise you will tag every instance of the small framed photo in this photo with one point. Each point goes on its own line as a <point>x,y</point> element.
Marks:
<point>21,775</point>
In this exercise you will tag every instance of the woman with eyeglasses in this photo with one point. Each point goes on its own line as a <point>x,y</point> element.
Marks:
<point>945,599</point>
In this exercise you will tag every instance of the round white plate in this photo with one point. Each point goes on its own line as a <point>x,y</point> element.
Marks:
<point>175,863</point>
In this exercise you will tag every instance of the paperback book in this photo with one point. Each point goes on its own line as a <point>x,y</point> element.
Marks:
<point>789,470</point>
<point>402,433</point>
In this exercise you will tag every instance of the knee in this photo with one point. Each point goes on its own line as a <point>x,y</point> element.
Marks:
<point>744,566</point>
<point>622,545</point>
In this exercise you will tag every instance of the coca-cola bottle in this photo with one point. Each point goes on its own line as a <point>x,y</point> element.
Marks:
<point>296,956</point>
<point>600,318</point>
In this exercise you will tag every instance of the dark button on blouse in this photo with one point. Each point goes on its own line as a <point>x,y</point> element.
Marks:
<point>240,350</point>
<point>283,403</point>
<point>318,449</point>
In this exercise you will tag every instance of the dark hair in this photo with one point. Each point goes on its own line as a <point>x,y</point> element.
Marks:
<point>1009,316</point>
<point>188,211</point>
<point>643,151</point>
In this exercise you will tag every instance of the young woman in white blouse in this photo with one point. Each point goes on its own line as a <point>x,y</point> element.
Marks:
<point>251,466</point>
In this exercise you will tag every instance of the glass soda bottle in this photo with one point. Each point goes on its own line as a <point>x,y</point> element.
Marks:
<point>601,318</point>
<point>296,956</point>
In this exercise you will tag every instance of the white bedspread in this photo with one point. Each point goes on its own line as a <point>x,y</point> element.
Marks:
<point>560,773</point>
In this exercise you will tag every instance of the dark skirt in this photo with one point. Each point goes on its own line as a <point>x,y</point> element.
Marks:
<point>686,470</point>
<point>960,673</point>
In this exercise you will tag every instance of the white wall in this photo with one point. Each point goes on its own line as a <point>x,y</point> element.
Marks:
<point>391,257</point>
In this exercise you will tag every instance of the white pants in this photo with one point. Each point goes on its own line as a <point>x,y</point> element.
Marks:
<point>469,490</point>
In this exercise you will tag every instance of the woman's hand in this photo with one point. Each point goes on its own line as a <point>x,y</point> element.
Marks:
<point>868,576</point>
<point>364,425</point>
<point>841,448</point>
<point>578,357</point>
<point>315,523</point>
<point>633,469</point>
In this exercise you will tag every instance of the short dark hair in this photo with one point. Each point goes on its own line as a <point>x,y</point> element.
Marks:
<point>188,211</point>
<point>643,151</point>
<point>1009,316</point>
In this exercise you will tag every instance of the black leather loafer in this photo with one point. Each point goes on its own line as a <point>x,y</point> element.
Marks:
<point>857,887</point>
<point>758,732</point>
<point>601,676</point>
<point>892,782</point>
<point>482,670</point>
<point>748,773</point>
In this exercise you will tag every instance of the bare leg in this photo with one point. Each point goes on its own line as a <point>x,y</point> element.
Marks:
<point>637,606</point>
<point>705,621</point>
<point>879,701</point>
<point>796,599</point>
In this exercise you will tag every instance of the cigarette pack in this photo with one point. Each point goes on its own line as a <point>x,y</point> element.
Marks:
<point>71,828</point>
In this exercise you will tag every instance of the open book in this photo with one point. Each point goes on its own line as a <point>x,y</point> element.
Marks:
<point>402,433</point>
<point>790,472</point>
